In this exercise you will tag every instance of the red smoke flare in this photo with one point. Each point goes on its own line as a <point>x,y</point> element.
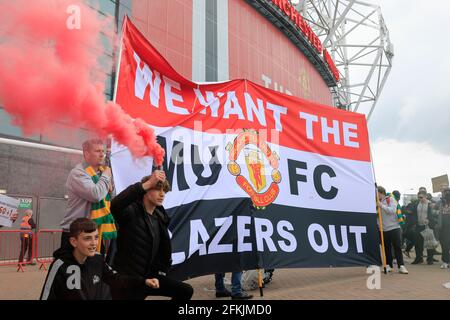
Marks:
<point>50,73</point>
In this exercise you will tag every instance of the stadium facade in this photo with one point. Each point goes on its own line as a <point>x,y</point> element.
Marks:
<point>265,41</point>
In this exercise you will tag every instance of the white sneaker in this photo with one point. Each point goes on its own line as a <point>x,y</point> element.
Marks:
<point>388,269</point>
<point>402,270</point>
<point>444,266</point>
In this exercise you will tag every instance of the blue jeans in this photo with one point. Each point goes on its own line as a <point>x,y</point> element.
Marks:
<point>236,288</point>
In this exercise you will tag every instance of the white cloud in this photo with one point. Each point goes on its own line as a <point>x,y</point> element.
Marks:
<point>407,165</point>
<point>414,106</point>
<point>410,126</point>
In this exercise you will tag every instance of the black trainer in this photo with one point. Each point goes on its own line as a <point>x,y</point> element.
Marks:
<point>223,294</point>
<point>242,296</point>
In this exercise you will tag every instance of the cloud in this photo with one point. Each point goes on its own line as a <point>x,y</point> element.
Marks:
<point>414,106</point>
<point>407,165</point>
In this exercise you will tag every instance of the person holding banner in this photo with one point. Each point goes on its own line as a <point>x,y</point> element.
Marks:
<point>391,231</point>
<point>444,226</point>
<point>236,287</point>
<point>143,242</point>
<point>88,187</point>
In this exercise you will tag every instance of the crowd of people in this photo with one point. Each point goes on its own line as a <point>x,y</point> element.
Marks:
<point>118,246</point>
<point>137,255</point>
<point>405,227</point>
<point>131,260</point>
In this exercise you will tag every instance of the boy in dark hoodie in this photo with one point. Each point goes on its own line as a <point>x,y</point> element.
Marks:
<point>81,273</point>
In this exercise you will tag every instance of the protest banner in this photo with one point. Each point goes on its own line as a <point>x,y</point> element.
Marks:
<point>259,179</point>
<point>8,208</point>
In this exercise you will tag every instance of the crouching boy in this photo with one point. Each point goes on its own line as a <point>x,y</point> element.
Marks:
<point>81,273</point>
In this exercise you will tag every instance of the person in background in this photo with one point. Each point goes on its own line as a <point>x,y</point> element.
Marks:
<point>444,216</point>
<point>236,287</point>
<point>422,217</point>
<point>89,185</point>
<point>391,231</point>
<point>143,243</point>
<point>26,237</point>
<point>409,234</point>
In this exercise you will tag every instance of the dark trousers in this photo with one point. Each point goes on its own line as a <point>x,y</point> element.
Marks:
<point>236,287</point>
<point>110,251</point>
<point>26,244</point>
<point>419,245</point>
<point>445,238</point>
<point>177,290</point>
<point>409,237</point>
<point>393,240</point>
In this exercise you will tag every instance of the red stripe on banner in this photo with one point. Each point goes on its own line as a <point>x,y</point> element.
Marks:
<point>149,88</point>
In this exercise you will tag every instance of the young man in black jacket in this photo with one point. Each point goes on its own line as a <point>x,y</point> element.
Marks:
<point>143,242</point>
<point>81,273</point>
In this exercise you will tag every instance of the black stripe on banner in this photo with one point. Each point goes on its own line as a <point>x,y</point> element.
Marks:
<point>277,237</point>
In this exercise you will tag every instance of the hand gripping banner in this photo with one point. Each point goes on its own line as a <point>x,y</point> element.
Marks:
<point>259,179</point>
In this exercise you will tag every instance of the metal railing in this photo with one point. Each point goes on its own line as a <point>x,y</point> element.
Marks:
<point>15,245</point>
<point>19,247</point>
<point>47,241</point>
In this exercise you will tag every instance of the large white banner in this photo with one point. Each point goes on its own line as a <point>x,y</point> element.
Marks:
<point>259,178</point>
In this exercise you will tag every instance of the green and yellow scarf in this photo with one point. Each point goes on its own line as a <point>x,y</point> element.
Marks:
<point>101,214</point>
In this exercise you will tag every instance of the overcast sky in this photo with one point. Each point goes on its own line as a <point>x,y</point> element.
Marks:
<point>410,127</point>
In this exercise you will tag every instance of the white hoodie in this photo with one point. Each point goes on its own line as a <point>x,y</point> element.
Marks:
<point>389,214</point>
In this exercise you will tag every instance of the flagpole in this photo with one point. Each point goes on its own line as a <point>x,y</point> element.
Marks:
<point>119,60</point>
<point>383,252</point>
<point>107,243</point>
<point>260,283</point>
<point>259,261</point>
<point>380,219</point>
<point>116,82</point>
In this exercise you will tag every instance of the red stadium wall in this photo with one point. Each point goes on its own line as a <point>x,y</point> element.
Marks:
<point>257,48</point>
<point>168,26</point>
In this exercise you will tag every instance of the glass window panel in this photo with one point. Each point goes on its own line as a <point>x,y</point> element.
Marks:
<point>124,9</point>
<point>7,128</point>
<point>126,3</point>
<point>108,85</point>
<point>107,44</point>
<point>67,136</point>
<point>105,63</point>
<point>108,7</point>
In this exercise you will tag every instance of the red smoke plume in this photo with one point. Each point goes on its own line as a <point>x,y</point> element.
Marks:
<point>49,72</point>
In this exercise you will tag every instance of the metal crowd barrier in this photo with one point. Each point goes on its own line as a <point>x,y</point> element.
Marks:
<point>47,241</point>
<point>12,245</point>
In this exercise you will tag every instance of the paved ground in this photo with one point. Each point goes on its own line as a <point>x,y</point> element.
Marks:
<point>423,282</point>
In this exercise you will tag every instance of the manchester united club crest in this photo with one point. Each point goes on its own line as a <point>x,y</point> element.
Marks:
<point>253,181</point>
